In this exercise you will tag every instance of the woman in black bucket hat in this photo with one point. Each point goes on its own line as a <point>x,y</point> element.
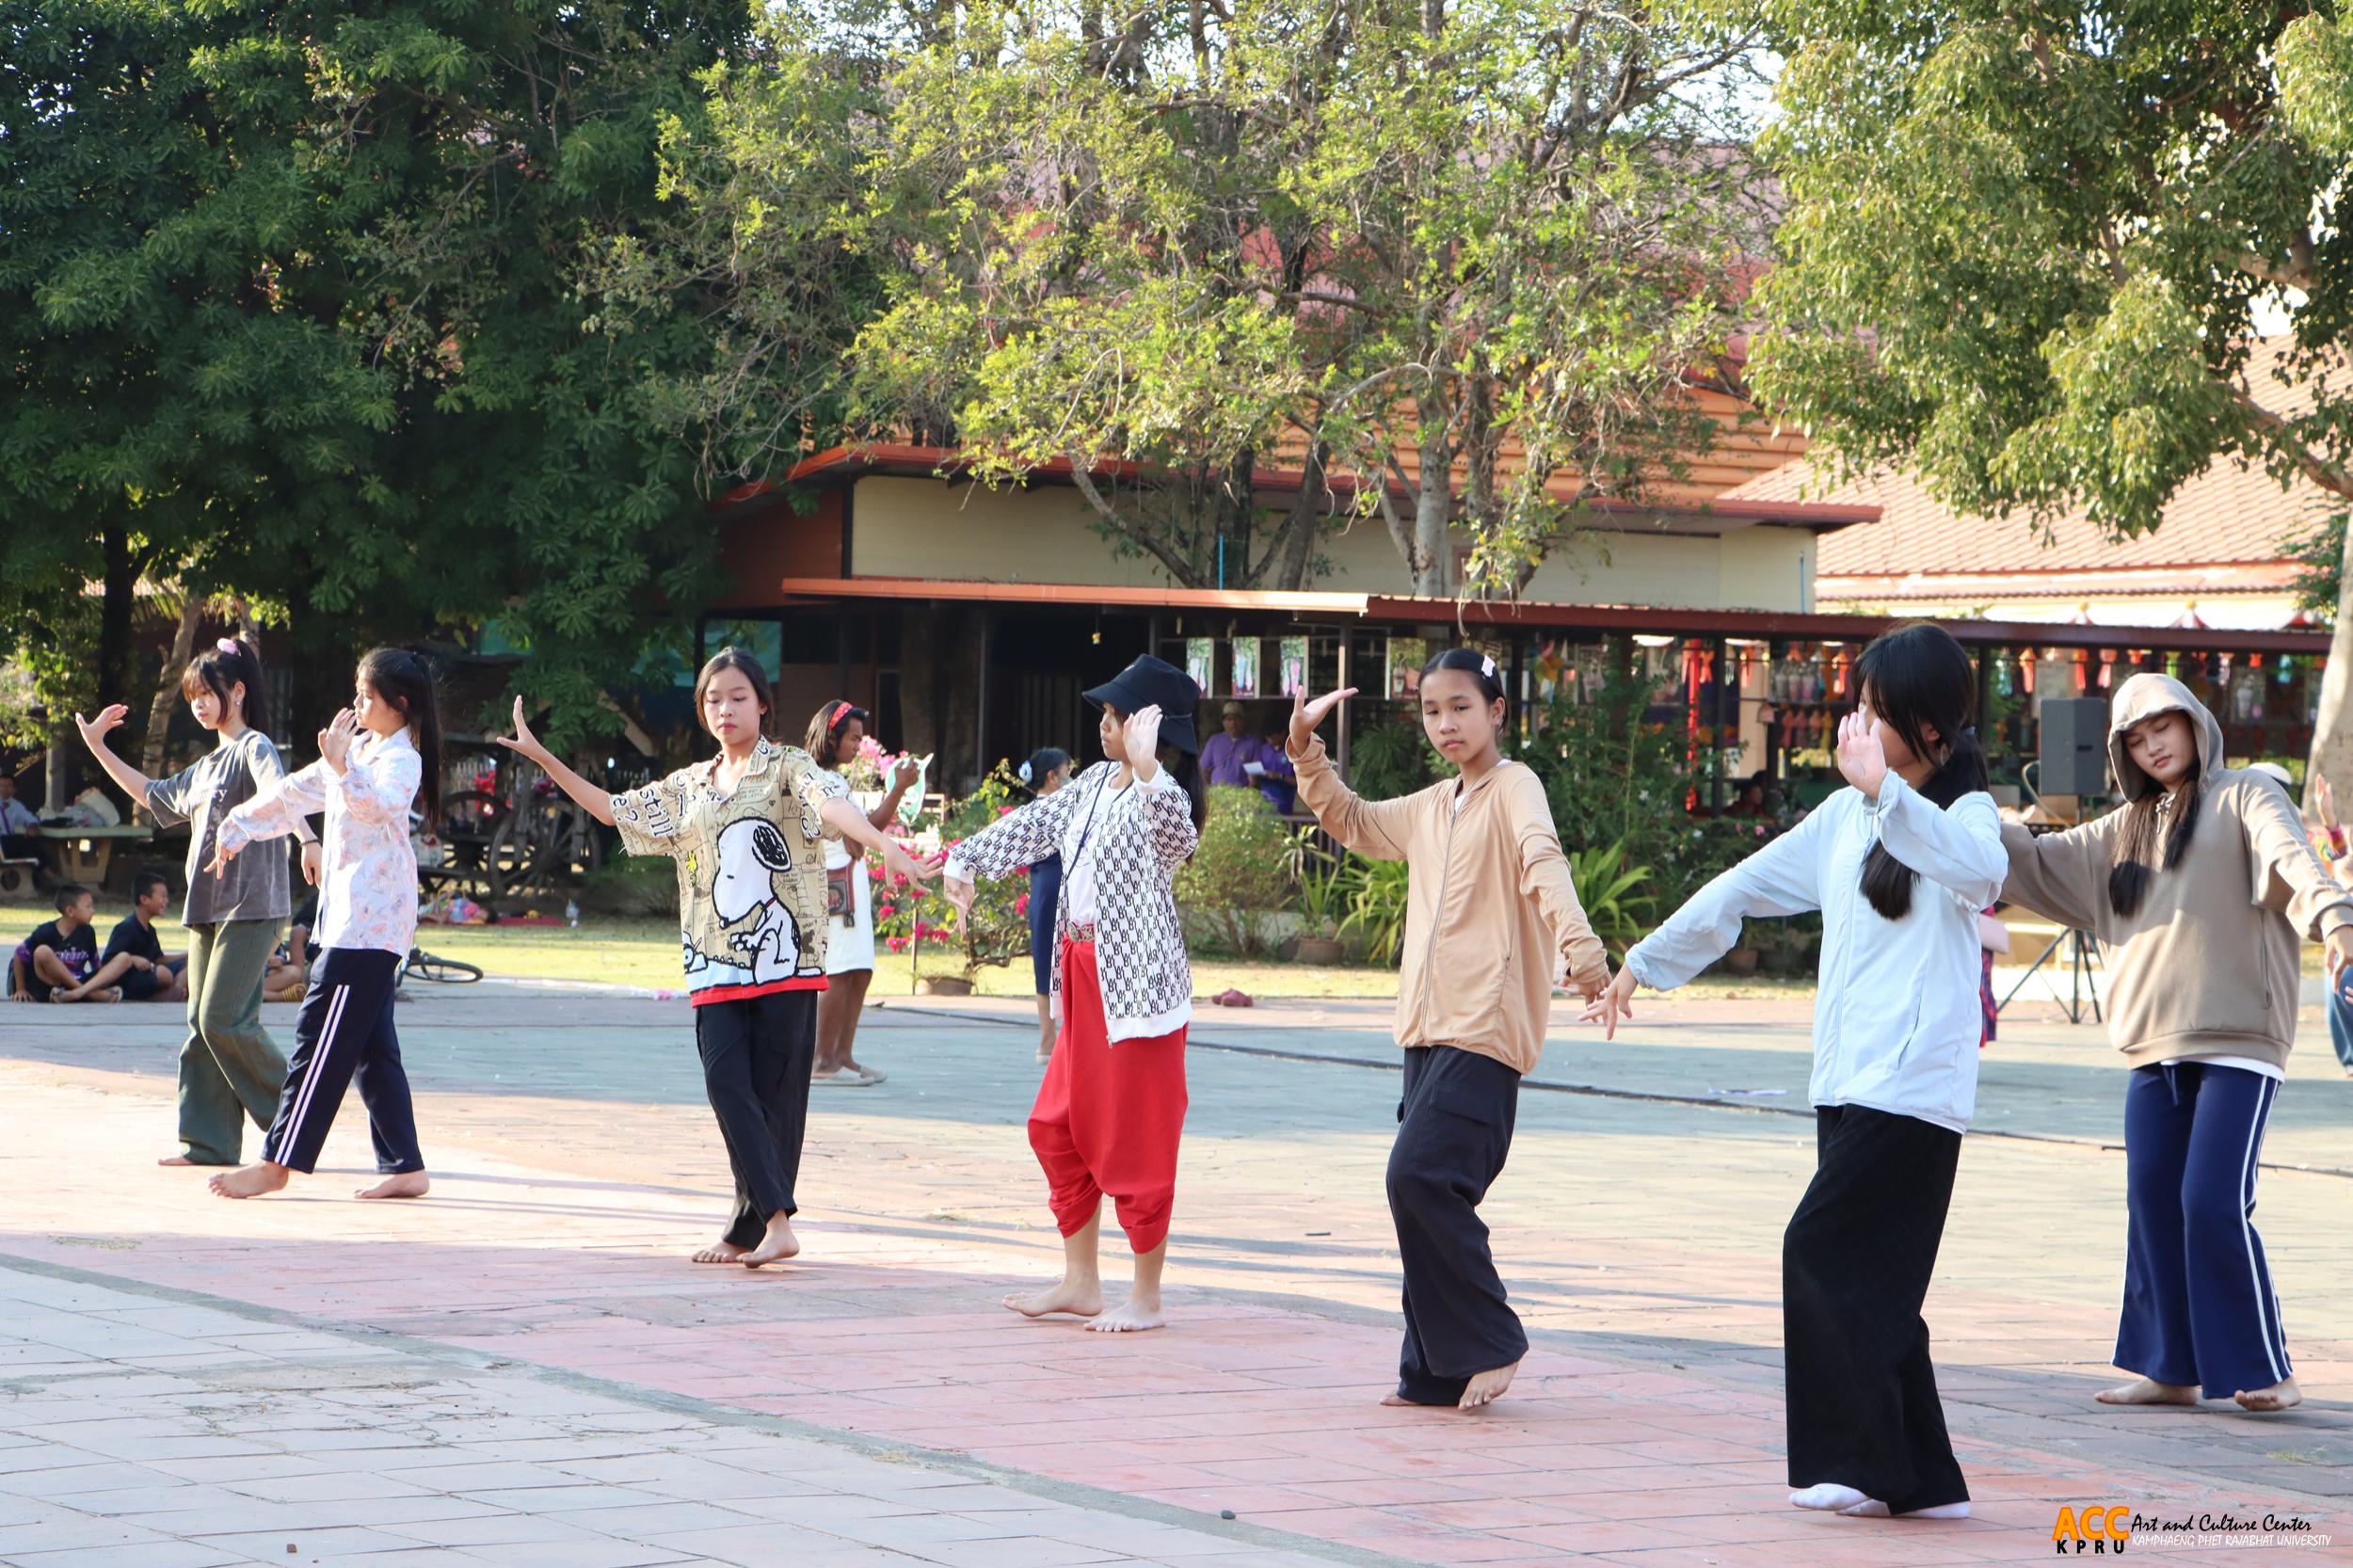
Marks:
<point>1112,1106</point>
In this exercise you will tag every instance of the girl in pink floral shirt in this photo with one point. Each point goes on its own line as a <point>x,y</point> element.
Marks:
<point>376,759</point>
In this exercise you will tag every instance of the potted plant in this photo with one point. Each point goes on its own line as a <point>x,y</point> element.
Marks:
<point>1323,902</point>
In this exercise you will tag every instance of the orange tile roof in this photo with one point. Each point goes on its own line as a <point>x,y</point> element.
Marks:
<point>2229,513</point>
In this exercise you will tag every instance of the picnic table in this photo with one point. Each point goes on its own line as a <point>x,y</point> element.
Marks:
<point>84,854</point>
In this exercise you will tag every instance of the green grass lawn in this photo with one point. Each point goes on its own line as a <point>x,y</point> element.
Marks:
<point>620,951</point>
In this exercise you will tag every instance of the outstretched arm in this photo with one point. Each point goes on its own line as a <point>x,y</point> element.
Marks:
<point>597,802</point>
<point>842,815</point>
<point>1544,876</point>
<point>94,732</point>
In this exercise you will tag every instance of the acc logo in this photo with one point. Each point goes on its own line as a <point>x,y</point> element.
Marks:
<point>2095,1529</point>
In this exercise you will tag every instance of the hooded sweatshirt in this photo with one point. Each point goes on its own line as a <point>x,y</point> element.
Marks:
<point>2208,968</point>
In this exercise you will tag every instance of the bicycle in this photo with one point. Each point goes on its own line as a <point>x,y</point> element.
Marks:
<point>442,972</point>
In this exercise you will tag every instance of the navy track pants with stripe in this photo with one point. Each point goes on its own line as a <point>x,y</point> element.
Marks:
<point>2199,1306</point>
<point>345,1030</point>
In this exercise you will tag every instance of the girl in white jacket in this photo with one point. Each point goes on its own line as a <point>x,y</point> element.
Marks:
<point>1898,865</point>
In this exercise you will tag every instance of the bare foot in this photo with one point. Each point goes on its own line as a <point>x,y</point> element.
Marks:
<point>175,1160</point>
<point>249,1181</point>
<point>408,1184</point>
<point>2147,1391</point>
<point>775,1247</point>
<point>1079,1299</point>
<point>721,1252</point>
<point>1401,1402</point>
<point>2282,1394</point>
<point>1130,1317</point>
<point>869,1073</point>
<point>1487,1386</point>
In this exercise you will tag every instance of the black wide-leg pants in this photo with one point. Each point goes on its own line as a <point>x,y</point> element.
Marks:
<point>345,1032</point>
<point>757,1052</point>
<point>1855,1264</point>
<point>1454,1131</point>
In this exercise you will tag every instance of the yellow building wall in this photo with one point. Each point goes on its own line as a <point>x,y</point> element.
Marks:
<point>903,527</point>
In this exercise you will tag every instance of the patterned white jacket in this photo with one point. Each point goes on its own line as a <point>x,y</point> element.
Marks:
<point>368,882</point>
<point>1138,838</point>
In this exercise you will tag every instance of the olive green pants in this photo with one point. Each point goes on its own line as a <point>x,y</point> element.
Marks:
<point>228,1069</point>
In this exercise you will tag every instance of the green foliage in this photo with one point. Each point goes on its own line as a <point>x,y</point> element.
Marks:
<point>1614,777</point>
<point>1617,902</point>
<point>301,303</point>
<point>1241,871</point>
<point>1392,758</point>
<point>2024,253</point>
<point>1376,906</point>
<point>1179,238</point>
<point>1324,886</point>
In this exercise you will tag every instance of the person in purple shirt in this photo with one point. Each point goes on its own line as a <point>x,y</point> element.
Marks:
<point>1226,760</point>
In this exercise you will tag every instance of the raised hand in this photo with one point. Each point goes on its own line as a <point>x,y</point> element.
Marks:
<point>1614,1001</point>
<point>1141,736</point>
<point>94,732</point>
<point>335,740</point>
<point>2324,801</point>
<point>1862,758</point>
<point>1306,715</point>
<point>522,740</point>
<point>908,771</point>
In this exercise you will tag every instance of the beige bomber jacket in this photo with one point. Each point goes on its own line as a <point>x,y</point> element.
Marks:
<point>1492,912</point>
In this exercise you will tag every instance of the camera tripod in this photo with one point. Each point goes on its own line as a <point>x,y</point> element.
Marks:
<point>2083,956</point>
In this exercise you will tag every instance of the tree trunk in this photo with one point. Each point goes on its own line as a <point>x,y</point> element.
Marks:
<point>167,697</point>
<point>2332,728</point>
<point>122,585</point>
<point>1433,508</point>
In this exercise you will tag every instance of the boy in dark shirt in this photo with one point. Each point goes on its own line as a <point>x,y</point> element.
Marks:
<point>64,954</point>
<point>155,975</point>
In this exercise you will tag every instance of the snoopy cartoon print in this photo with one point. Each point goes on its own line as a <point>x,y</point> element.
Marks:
<point>752,853</point>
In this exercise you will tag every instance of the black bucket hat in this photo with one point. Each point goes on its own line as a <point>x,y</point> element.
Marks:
<point>1149,681</point>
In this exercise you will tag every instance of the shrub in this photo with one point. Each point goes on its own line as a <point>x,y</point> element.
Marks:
<point>1617,905</point>
<point>1376,905</point>
<point>1241,871</point>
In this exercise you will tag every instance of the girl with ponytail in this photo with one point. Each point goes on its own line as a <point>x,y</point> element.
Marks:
<point>230,1068</point>
<point>1899,865</point>
<point>2200,889</point>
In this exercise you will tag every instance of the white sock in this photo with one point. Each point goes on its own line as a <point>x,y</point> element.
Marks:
<point>1828,1497</point>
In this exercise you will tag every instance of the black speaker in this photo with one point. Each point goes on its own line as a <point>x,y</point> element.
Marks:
<point>2074,746</point>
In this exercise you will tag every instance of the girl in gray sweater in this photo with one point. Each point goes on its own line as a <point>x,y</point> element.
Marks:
<point>2200,888</point>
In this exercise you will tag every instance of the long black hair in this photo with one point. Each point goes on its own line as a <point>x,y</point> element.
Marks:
<point>1480,667</point>
<point>405,681</point>
<point>1916,678</point>
<point>228,663</point>
<point>733,657</point>
<point>2155,809</point>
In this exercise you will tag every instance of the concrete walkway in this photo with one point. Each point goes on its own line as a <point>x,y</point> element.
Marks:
<point>574,1164</point>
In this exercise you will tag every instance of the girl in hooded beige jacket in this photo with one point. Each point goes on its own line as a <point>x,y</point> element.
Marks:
<point>2200,888</point>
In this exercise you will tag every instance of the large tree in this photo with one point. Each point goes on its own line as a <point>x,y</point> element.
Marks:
<point>1463,255</point>
<point>296,301</point>
<point>2026,249</point>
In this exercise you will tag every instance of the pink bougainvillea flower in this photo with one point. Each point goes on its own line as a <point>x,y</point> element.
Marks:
<point>1021,904</point>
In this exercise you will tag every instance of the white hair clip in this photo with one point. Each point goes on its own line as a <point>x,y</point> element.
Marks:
<point>1023,772</point>
<point>1487,666</point>
<point>225,646</point>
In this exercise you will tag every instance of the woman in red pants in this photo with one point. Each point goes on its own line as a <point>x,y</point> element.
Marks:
<point>1112,1104</point>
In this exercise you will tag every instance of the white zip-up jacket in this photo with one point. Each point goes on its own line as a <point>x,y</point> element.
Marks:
<point>1897,1017</point>
<point>368,877</point>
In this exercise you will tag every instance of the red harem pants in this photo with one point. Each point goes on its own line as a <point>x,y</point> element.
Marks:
<point>1108,1117</point>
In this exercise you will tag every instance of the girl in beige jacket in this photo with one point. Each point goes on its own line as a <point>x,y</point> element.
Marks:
<point>1491,922</point>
